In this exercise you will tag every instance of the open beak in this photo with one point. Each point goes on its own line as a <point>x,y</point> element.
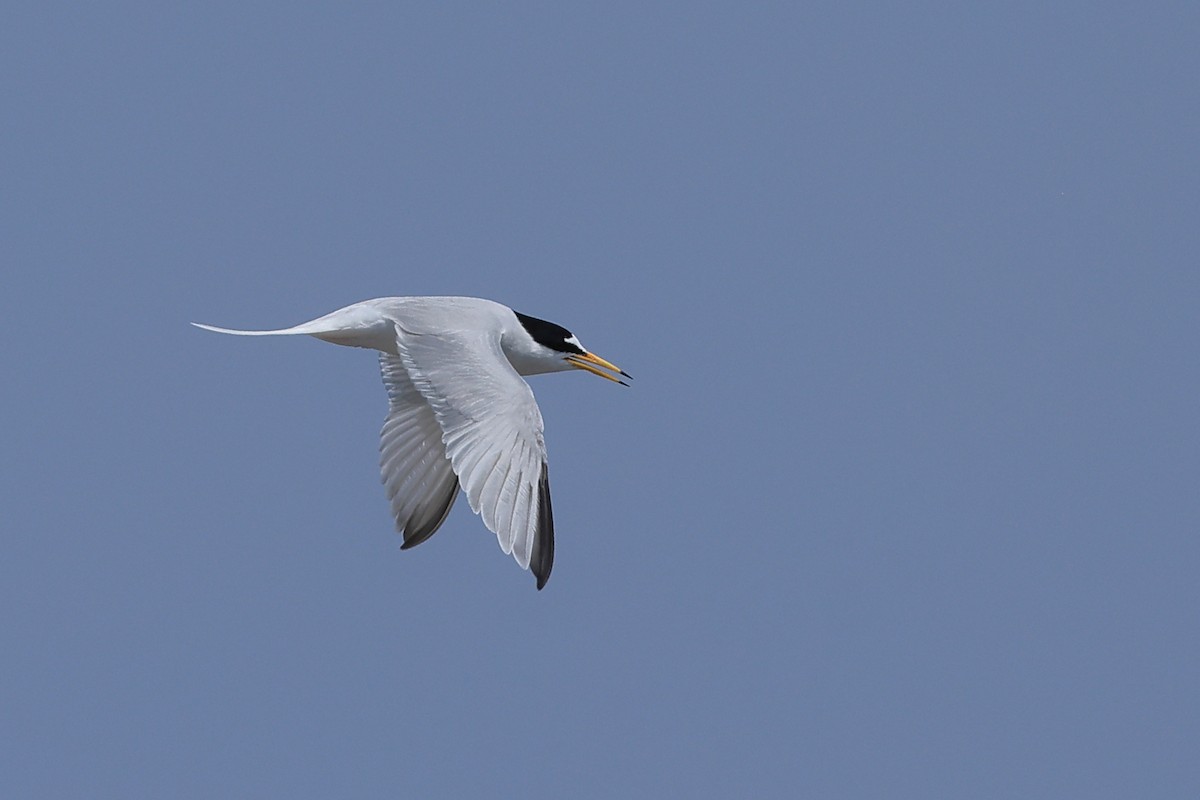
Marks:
<point>590,362</point>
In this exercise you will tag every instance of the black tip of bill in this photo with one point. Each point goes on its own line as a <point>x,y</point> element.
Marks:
<point>590,362</point>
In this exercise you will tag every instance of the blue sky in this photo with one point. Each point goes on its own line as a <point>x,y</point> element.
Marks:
<point>902,502</point>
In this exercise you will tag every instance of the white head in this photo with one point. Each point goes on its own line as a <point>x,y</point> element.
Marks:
<point>547,347</point>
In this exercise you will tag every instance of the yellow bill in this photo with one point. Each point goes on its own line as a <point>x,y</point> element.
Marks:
<point>590,362</point>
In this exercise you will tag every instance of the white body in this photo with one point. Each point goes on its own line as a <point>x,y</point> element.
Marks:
<point>374,324</point>
<point>459,414</point>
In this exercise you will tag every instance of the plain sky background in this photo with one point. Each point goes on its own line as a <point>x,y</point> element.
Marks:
<point>902,503</point>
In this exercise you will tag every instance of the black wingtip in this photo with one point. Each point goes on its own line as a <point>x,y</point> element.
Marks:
<point>416,536</point>
<point>543,539</point>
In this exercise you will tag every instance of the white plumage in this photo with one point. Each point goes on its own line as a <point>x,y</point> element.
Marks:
<point>459,412</point>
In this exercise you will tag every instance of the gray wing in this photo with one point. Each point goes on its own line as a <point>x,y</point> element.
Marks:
<point>417,475</point>
<point>492,431</point>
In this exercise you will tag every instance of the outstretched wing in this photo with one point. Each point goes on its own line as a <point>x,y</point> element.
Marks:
<point>492,431</point>
<point>417,475</point>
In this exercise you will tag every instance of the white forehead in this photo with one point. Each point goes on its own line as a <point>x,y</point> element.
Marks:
<point>572,339</point>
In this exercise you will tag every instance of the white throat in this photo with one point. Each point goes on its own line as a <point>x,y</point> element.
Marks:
<point>528,357</point>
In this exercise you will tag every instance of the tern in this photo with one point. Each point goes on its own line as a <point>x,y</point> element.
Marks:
<point>459,412</point>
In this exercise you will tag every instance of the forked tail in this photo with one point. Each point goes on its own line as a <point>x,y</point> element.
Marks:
<point>360,325</point>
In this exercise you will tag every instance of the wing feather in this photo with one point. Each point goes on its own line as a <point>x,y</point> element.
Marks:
<point>492,431</point>
<point>542,558</point>
<point>417,475</point>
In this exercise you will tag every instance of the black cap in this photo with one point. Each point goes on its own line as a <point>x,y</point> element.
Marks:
<point>547,334</point>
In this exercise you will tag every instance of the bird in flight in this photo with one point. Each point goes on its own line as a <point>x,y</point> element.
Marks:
<point>459,412</point>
